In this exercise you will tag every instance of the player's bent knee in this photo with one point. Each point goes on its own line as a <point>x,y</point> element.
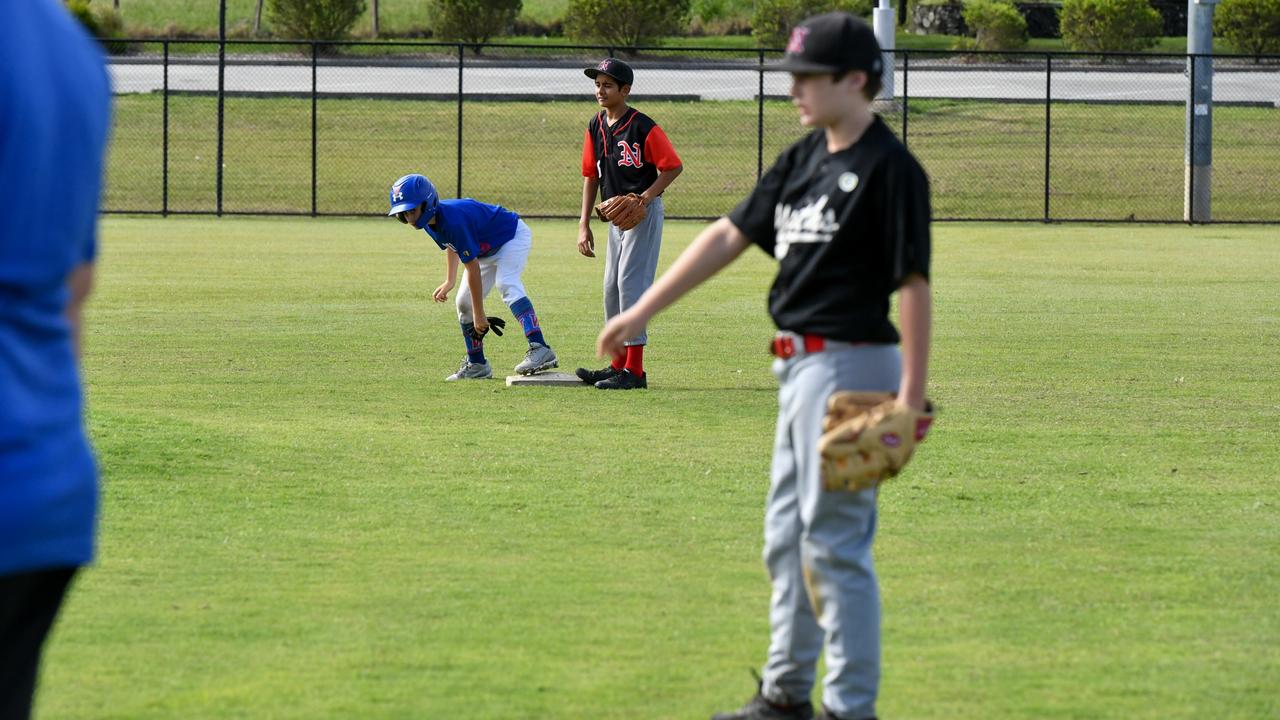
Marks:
<point>512,293</point>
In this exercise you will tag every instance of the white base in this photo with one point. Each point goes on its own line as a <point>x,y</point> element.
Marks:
<point>545,378</point>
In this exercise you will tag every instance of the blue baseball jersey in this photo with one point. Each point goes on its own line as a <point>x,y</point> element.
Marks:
<point>54,117</point>
<point>471,228</point>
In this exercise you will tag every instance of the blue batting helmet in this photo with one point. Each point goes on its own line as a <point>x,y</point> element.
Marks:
<point>411,191</point>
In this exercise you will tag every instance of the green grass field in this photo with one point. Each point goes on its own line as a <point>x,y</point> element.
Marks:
<point>301,520</point>
<point>986,160</point>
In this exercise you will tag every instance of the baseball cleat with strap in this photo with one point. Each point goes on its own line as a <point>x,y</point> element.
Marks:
<point>472,371</point>
<point>625,380</point>
<point>539,358</point>
<point>591,377</point>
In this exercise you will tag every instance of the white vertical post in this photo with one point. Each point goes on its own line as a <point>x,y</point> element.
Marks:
<point>1199,152</point>
<point>883,22</point>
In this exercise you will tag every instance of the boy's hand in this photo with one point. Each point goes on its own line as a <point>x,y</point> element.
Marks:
<point>492,323</point>
<point>481,326</point>
<point>442,293</point>
<point>586,242</point>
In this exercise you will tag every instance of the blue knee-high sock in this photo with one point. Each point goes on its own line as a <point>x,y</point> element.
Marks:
<point>523,310</point>
<point>475,348</point>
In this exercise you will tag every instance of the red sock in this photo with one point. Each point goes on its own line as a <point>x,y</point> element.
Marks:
<point>618,361</point>
<point>635,359</point>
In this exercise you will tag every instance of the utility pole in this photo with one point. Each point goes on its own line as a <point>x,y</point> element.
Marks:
<point>1199,151</point>
<point>882,19</point>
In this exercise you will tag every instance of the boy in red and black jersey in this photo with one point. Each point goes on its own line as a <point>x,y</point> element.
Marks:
<point>624,151</point>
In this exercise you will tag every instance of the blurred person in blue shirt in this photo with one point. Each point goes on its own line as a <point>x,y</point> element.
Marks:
<point>54,116</point>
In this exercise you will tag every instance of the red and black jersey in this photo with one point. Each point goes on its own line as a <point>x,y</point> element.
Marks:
<point>628,156</point>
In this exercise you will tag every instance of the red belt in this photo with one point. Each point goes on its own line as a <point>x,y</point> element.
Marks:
<point>784,346</point>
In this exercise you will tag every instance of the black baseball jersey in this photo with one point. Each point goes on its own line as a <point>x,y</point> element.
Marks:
<point>628,156</point>
<point>846,228</point>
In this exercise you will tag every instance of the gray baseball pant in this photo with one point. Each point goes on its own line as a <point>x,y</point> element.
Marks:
<point>822,537</point>
<point>630,264</point>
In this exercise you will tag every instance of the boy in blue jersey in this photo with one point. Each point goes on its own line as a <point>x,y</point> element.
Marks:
<point>493,244</point>
<point>54,115</point>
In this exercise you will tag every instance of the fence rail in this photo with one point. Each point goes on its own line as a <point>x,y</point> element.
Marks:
<point>302,128</point>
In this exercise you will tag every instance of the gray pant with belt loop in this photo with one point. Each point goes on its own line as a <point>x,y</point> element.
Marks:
<point>630,264</point>
<point>823,538</point>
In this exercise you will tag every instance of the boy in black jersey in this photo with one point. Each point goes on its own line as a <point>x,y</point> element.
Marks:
<point>624,151</point>
<point>845,211</point>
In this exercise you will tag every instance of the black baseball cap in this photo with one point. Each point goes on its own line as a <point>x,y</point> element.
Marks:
<point>832,43</point>
<point>614,68</point>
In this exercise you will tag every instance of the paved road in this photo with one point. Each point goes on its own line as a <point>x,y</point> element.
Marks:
<point>1111,85</point>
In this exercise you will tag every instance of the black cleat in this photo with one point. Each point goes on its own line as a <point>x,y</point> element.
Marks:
<point>624,381</point>
<point>759,708</point>
<point>591,377</point>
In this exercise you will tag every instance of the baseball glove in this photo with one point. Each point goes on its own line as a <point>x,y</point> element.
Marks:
<point>868,438</point>
<point>496,324</point>
<point>625,211</point>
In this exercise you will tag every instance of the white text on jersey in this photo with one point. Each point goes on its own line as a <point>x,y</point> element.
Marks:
<point>813,223</point>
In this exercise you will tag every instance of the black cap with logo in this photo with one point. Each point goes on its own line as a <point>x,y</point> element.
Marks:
<point>614,68</point>
<point>832,43</point>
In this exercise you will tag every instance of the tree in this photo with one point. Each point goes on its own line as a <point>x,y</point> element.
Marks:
<point>314,19</point>
<point>997,25</point>
<point>473,21</point>
<point>100,22</point>
<point>1250,26</point>
<point>772,21</point>
<point>1109,25</point>
<point>625,23</point>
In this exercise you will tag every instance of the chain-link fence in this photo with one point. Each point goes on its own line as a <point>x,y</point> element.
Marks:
<point>323,128</point>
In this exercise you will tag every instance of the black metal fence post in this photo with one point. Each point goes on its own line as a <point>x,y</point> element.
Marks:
<point>906,95</point>
<point>460,61</point>
<point>760,123</point>
<point>164,140</point>
<point>314,53</point>
<point>1048,126</point>
<point>222,71</point>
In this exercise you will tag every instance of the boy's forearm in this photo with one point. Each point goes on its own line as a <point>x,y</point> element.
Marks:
<point>665,178</point>
<point>714,248</point>
<point>451,266</point>
<point>476,285</point>
<point>589,187</point>
<point>915,316</point>
<point>80,283</point>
